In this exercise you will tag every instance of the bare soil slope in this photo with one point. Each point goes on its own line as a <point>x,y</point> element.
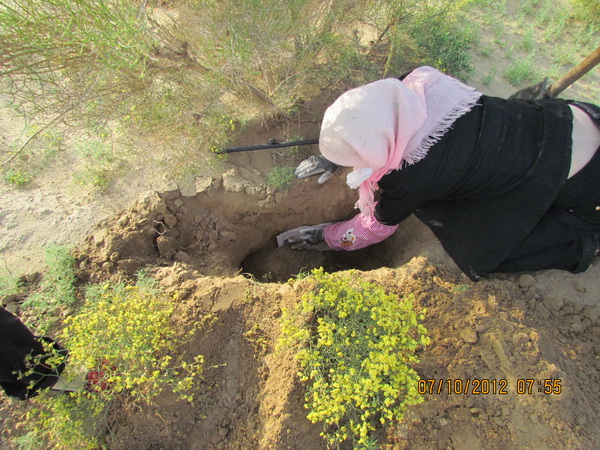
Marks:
<point>212,240</point>
<point>498,331</point>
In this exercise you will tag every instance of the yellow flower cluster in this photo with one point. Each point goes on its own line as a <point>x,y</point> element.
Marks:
<point>126,335</point>
<point>125,331</point>
<point>355,346</point>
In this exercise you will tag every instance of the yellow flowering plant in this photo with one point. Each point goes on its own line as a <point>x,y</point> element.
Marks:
<point>125,335</point>
<point>355,344</point>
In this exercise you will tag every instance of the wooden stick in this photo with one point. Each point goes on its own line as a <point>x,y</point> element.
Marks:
<point>573,75</point>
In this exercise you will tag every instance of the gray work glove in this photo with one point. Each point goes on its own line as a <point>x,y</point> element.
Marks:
<point>314,165</point>
<point>308,238</point>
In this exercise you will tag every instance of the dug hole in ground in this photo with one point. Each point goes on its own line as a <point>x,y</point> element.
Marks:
<point>502,329</point>
<point>214,246</point>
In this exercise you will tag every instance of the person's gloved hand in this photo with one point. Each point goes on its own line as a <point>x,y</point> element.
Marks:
<point>308,237</point>
<point>315,165</point>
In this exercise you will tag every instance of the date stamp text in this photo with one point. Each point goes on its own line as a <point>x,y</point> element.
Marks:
<point>485,386</point>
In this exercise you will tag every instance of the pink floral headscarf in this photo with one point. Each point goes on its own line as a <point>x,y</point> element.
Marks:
<point>378,126</point>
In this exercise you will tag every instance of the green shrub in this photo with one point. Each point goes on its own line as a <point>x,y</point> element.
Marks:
<point>520,71</point>
<point>588,11</point>
<point>445,46</point>
<point>56,291</point>
<point>16,177</point>
<point>9,285</point>
<point>355,344</point>
<point>488,78</point>
<point>280,178</point>
<point>99,163</point>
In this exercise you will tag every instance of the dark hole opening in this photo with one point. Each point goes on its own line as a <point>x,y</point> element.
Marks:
<point>273,264</point>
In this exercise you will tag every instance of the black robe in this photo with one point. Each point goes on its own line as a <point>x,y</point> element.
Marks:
<point>18,346</point>
<point>489,189</point>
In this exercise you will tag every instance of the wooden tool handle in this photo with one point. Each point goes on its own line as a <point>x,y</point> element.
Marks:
<point>574,74</point>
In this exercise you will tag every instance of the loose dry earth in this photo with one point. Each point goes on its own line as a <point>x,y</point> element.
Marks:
<point>502,329</point>
<point>212,240</point>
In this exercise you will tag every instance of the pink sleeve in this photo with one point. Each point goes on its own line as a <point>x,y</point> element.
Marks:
<point>357,233</point>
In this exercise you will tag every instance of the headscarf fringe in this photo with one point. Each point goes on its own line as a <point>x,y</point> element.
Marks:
<point>416,154</point>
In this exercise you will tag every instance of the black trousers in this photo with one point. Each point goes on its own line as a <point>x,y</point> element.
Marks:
<point>18,349</point>
<point>552,245</point>
<point>568,237</point>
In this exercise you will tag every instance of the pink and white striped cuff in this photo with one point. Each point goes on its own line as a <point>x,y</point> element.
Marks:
<point>356,233</point>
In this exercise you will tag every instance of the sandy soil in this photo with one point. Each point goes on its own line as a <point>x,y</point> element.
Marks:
<point>499,330</point>
<point>198,236</point>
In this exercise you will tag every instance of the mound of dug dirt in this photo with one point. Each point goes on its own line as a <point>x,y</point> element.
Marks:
<point>486,331</point>
<point>513,360</point>
<point>510,364</point>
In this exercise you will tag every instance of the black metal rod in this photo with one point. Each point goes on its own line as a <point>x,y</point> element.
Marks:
<point>272,144</point>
